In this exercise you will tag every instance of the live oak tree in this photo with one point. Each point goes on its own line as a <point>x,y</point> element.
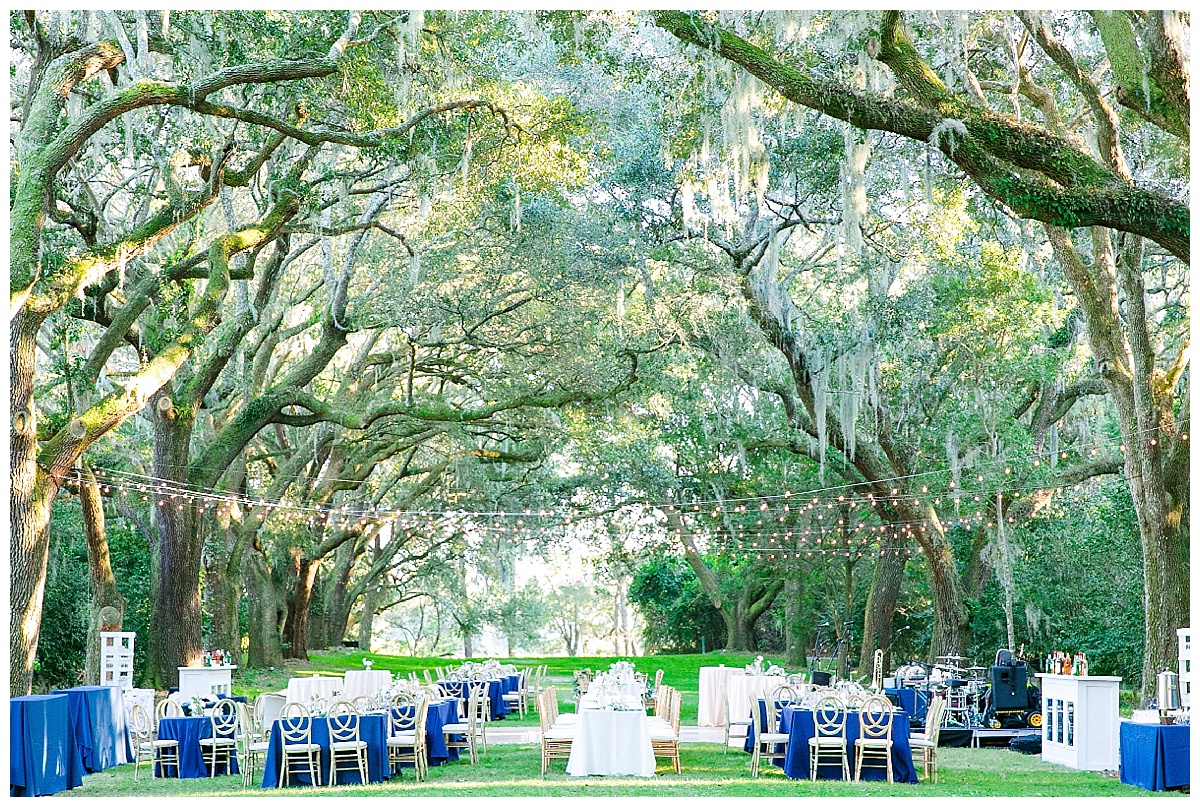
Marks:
<point>1039,167</point>
<point>86,244</point>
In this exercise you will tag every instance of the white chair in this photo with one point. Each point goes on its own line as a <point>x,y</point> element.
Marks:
<point>874,735</point>
<point>464,729</point>
<point>482,705</point>
<point>406,734</point>
<point>295,729</point>
<point>267,707</point>
<point>769,742</point>
<point>164,753</point>
<point>829,741</point>
<point>556,739</point>
<point>928,741</point>
<point>730,720</point>
<point>252,742</point>
<point>666,743</point>
<point>345,742</point>
<point>520,696</point>
<point>220,747</point>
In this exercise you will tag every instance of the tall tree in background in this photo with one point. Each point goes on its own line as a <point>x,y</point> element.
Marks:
<point>1039,168</point>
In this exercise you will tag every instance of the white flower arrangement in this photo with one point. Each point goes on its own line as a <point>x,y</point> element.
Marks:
<point>609,691</point>
<point>367,663</point>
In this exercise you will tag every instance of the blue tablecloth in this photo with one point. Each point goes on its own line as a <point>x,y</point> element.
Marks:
<point>905,698</point>
<point>372,729</point>
<point>187,706</point>
<point>98,718</point>
<point>497,687</point>
<point>1155,757</point>
<point>439,714</point>
<point>800,726</point>
<point>43,755</point>
<point>189,731</point>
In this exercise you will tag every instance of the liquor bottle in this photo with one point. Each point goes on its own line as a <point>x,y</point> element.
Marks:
<point>1066,664</point>
<point>207,659</point>
<point>1085,664</point>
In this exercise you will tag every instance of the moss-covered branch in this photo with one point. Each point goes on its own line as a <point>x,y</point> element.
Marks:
<point>1067,187</point>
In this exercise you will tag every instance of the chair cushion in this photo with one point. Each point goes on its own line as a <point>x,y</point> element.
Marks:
<point>218,741</point>
<point>768,737</point>
<point>833,741</point>
<point>455,728</point>
<point>558,734</point>
<point>348,745</point>
<point>921,742</point>
<point>878,742</point>
<point>741,722</point>
<point>289,748</point>
<point>257,747</point>
<point>664,734</point>
<point>402,738</point>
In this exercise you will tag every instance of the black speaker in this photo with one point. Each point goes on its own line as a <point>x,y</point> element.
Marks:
<point>821,678</point>
<point>1009,685</point>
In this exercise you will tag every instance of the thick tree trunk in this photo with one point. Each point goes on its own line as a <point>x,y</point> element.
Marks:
<point>266,613</point>
<point>468,646</point>
<point>880,613</point>
<point>223,591</point>
<point>104,584</point>
<point>951,624</point>
<point>296,630</point>
<point>366,622</point>
<point>175,620</point>
<point>794,638</point>
<point>32,495</point>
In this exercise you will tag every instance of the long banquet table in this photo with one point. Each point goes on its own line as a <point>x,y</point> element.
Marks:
<point>188,732</point>
<point>372,729</point>
<point>43,756</point>
<point>800,725</point>
<point>97,715</point>
<point>610,742</point>
<point>497,688</point>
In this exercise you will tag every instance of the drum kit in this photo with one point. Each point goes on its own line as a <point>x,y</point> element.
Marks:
<point>965,688</point>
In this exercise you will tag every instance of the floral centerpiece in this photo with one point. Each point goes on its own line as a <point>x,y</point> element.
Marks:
<point>580,676</point>
<point>760,667</point>
<point>608,691</point>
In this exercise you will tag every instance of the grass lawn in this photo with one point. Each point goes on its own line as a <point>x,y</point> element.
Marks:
<point>514,771</point>
<point>681,672</point>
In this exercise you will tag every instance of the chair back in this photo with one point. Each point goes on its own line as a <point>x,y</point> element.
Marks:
<point>168,708</point>
<point>784,694</point>
<point>933,719</point>
<point>267,708</point>
<point>676,708</point>
<point>343,722</point>
<point>875,719</point>
<point>477,705</point>
<point>797,681</point>
<point>402,716</point>
<point>224,718</point>
<point>428,678</point>
<point>658,680</point>
<point>829,717</point>
<point>364,704</point>
<point>295,725</point>
<point>724,701</point>
<point>139,723</point>
<point>756,715</point>
<point>245,720</point>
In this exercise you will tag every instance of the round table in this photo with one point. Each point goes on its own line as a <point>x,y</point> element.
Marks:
<point>745,688</point>
<point>711,709</point>
<point>365,682</point>
<point>302,690</point>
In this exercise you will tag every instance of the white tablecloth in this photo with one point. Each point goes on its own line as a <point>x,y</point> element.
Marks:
<point>611,743</point>
<point>301,690</point>
<point>744,687</point>
<point>365,682</point>
<point>711,711</point>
